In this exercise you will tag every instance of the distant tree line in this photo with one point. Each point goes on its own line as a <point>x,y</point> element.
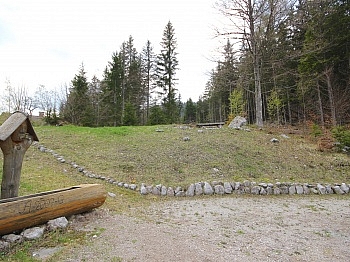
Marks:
<point>285,62</point>
<point>137,88</point>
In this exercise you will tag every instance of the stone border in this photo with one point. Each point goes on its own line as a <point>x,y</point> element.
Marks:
<point>9,240</point>
<point>217,188</point>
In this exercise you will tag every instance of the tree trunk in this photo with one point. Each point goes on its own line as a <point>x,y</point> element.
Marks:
<point>256,62</point>
<point>289,108</point>
<point>320,104</point>
<point>328,74</point>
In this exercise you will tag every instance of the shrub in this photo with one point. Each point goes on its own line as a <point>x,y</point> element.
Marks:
<point>316,130</point>
<point>342,135</point>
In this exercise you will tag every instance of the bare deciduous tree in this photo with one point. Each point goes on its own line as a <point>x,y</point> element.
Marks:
<point>251,23</point>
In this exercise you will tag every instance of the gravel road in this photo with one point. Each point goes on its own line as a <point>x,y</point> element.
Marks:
<point>235,228</point>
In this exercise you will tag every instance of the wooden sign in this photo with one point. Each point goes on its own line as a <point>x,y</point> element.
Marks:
<point>27,211</point>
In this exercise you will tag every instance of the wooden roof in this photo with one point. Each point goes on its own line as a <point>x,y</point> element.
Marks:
<point>13,122</point>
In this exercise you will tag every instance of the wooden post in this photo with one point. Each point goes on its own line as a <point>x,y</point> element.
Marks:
<point>16,136</point>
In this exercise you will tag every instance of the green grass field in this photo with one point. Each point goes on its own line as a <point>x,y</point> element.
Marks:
<point>143,155</point>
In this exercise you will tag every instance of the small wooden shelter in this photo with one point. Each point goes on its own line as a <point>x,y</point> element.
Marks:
<point>16,136</point>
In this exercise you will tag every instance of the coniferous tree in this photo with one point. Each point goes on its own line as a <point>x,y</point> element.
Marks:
<point>148,77</point>
<point>157,116</point>
<point>167,65</point>
<point>222,82</point>
<point>95,94</point>
<point>190,112</point>
<point>130,118</point>
<point>111,89</point>
<point>325,58</point>
<point>78,109</point>
<point>202,110</point>
<point>132,86</point>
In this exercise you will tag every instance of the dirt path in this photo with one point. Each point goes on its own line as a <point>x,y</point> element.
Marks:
<point>225,229</point>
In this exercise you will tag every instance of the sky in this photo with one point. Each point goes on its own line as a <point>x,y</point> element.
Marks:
<point>44,42</point>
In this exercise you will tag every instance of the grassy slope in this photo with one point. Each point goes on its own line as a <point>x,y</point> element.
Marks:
<point>140,154</point>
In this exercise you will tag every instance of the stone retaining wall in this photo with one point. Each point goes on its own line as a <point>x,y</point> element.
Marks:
<point>217,188</point>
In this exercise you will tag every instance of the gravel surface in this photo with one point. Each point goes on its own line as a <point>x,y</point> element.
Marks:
<point>236,228</point>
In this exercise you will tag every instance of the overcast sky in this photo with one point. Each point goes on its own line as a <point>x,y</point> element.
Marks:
<point>44,42</point>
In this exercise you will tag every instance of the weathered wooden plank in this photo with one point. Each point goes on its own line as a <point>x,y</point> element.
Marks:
<point>210,124</point>
<point>27,211</point>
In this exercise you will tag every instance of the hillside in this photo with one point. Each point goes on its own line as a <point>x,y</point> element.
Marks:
<point>143,155</point>
<point>155,155</point>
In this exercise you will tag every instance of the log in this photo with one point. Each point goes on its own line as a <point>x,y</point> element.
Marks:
<point>26,211</point>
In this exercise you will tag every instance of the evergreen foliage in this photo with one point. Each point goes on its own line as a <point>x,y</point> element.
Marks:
<point>302,49</point>
<point>342,135</point>
<point>190,114</point>
<point>296,52</point>
<point>78,109</point>
<point>167,65</point>
<point>157,116</point>
<point>130,117</point>
<point>148,65</point>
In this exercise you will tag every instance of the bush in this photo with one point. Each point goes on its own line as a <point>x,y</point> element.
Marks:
<point>342,135</point>
<point>316,130</point>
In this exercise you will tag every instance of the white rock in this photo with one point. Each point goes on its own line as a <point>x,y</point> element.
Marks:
<point>143,190</point>
<point>164,191</point>
<point>237,122</point>
<point>227,187</point>
<point>345,188</point>
<point>219,190</point>
<point>33,233</point>
<point>321,189</point>
<point>207,189</point>
<point>4,245</point>
<point>170,191</point>
<point>54,224</point>
<point>274,140</point>
<point>12,238</point>
<point>198,189</point>
<point>190,191</point>
<point>111,194</point>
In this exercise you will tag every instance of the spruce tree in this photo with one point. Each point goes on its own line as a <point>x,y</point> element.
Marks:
<point>112,93</point>
<point>190,111</point>
<point>78,109</point>
<point>167,65</point>
<point>148,78</point>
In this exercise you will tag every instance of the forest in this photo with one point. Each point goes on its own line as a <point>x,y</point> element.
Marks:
<point>284,62</point>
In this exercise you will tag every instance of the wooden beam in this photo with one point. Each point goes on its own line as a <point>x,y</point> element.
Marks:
<point>27,211</point>
<point>218,124</point>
